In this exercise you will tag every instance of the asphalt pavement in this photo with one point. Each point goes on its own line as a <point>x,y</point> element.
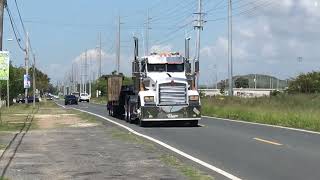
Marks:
<point>247,151</point>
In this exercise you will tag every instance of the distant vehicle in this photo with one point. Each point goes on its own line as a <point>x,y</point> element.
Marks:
<point>70,99</point>
<point>30,99</point>
<point>55,96</point>
<point>49,97</point>
<point>20,99</point>
<point>77,94</point>
<point>84,97</point>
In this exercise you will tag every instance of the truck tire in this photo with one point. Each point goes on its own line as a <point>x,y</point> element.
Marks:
<point>142,124</point>
<point>111,112</point>
<point>194,123</point>
<point>126,114</point>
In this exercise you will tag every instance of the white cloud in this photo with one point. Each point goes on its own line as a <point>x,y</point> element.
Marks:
<point>108,63</point>
<point>271,41</point>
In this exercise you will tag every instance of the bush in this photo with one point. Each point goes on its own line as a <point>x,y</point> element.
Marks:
<point>305,83</point>
<point>275,93</point>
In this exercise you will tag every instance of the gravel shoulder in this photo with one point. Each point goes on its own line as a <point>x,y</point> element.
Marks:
<point>65,144</point>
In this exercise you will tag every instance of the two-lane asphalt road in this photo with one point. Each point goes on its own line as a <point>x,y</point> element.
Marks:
<point>247,151</point>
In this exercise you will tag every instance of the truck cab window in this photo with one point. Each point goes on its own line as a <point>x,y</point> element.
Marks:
<point>156,67</point>
<point>175,67</point>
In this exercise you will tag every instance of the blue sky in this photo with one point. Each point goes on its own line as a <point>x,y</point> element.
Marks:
<point>266,39</point>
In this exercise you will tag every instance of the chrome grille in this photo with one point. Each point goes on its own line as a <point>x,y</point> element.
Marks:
<point>172,94</point>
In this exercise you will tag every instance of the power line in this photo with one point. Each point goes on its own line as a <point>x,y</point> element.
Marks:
<point>245,12</point>
<point>170,34</point>
<point>14,29</point>
<point>24,29</point>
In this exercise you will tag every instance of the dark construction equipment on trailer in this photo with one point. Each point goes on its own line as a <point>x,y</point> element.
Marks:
<point>163,90</point>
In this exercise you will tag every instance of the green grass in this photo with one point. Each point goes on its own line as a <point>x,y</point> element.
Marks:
<point>190,172</point>
<point>297,111</point>
<point>13,118</point>
<point>2,146</point>
<point>99,100</point>
<point>84,116</point>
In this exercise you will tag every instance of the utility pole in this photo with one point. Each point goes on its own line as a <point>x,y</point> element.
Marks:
<point>255,81</point>
<point>199,27</point>
<point>81,73</point>
<point>85,72</point>
<point>118,45</point>
<point>147,32</point>
<point>3,3</point>
<point>34,80</point>
<point>100,55</point>
<point>27,66</point>
<point>216,69</point>
<point>89,73</point>
<point>230,63</point>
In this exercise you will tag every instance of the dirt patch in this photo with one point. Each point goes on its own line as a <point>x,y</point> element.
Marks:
<point>49,121</point>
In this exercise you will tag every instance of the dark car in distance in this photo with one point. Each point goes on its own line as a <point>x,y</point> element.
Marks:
<point>29,98</point>
<point>70,99</point>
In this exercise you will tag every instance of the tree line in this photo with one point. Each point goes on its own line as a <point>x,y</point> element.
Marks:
<point>16,82</point>
<point>305,83</point>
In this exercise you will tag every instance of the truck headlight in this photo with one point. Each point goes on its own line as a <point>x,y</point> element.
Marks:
<point>194,98</point>
<point>148,99</point>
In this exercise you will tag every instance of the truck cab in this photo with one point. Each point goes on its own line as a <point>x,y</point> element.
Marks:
<point>165,92</point>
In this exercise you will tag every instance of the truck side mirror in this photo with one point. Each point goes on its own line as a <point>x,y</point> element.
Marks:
<point>135,67</point>
<point>197,66</point>
<point>188,67</point>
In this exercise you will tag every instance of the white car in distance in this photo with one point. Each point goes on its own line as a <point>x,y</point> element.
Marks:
<point>84,97</point>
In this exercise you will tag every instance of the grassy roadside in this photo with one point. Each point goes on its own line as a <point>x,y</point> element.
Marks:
<point>187,170</point>
<point>13,119</point>
<point>297,111</point>
<point>99,100</point>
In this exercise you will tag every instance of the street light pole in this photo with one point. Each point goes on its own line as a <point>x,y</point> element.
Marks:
<point>230,63</point>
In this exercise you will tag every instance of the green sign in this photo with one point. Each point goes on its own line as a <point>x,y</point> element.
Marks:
<point>4,65</point>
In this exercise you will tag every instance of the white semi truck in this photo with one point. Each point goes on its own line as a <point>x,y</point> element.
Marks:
<point>163,90</point>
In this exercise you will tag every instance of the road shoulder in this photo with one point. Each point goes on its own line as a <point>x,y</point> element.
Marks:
<point>65,146</point>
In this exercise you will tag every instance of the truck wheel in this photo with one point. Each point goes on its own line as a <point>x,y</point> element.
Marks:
<point>111,112</point>
<point>143,123</point>
<point>194,123</point>
<point>126,115</point>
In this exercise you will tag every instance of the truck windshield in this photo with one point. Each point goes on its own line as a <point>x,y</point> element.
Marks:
<point>175,67</point>
<point>156,67</point>
<point>165,67</point>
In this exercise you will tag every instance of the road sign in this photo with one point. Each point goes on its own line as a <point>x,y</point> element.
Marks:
<point>26,81</point>
<point>4,65</point>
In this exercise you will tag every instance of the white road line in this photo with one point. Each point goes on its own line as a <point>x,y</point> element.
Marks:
<point>194,159</point>
<point>267,141</point>
<point>268,125</point>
